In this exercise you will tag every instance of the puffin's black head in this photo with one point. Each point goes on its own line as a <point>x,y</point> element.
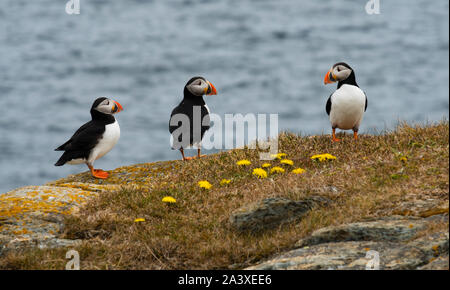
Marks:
<point>199,86</point>
<point>339,72</point>
<point>106,106</point>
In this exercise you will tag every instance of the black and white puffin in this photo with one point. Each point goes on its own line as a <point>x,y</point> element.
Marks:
<point>346,106</point>
<point>193,109</point>
<point>94,139</point>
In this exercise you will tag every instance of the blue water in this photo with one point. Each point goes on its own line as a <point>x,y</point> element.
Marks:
<point>263,57</point>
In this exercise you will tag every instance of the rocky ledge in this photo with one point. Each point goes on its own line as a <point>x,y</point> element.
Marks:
<point>33,216</point>
<point>391,243</point>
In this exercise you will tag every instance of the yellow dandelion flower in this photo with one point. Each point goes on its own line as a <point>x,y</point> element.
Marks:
<point>138,220</point>
<point>403,159</point>
<point>323,157</point>
<point>279,155</point>
<point>169,199</point>
<point>265,165</point>
<point>298,171</point>
<point>225,181</point>
<point>287,162</point>
<point>243,162</point>
<point>204,184</point>
<point>277,169</point>
<point>260,173</point>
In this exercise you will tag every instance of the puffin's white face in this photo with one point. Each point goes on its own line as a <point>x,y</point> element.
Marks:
<point>200,87</point>
<point>108,106</point>
<point>338,72</point>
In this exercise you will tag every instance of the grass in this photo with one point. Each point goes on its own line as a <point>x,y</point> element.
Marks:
<point>374,176</point>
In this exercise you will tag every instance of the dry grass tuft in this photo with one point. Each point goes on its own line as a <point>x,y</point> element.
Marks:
<point>371,177</point>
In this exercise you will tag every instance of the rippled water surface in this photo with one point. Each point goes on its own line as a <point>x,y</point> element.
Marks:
<point>263,57</point>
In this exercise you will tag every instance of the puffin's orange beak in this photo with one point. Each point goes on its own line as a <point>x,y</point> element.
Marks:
<point>213,89</point>
<point>329,78</point>
<point>118,107</point>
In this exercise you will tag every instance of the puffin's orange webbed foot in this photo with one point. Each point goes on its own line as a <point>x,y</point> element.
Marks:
<point>199,154</point>
<point>98,173</point>
<point>334,136</point>
<point>188,158</point>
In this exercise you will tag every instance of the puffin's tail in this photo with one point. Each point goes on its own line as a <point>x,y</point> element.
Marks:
<point>62,160</point>
<point>62,147</point>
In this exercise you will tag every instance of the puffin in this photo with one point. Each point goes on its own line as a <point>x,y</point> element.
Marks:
<point>94,139</point>
<point>194,111</point>
<point>346,106</point>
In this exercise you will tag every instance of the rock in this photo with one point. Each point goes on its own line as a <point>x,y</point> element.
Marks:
<point>438,218</point>
<point>319,257</point>
<point>440,263</point>
<point>272,212</point>
<point>422,208</point>
<point>389,241</point>
<point>417,252</point>
<point>34,215</point>
<point>387,229</point>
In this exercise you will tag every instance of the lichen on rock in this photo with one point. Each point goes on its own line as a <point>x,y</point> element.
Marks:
<point>34,215</point>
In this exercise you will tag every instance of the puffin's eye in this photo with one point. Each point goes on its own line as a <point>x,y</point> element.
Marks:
<point>338,69</point>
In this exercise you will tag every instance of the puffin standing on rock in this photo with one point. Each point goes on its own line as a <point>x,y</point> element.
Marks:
<point>194,111</point>
<point>346,106</point>
<point>94,139</point>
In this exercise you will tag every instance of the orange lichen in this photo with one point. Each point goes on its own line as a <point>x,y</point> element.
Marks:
<point>23,231</point>
<point>435,249</point>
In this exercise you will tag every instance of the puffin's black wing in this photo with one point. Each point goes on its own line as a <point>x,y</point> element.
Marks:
<point>182,109</point>
<point>64,146</point>
<point>365,106</point>
<point>82,142</point>
<point>186,108</point>
<point>178,110</point>
<point>328,106</point>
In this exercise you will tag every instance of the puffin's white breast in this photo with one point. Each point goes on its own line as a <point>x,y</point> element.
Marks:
<point>107,142</point>
<point>347,107</point>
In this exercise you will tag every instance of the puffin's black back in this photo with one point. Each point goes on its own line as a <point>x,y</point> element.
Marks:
<point>86,137</point>
<point>186,107</point>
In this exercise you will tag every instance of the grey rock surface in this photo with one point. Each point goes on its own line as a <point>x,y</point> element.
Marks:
<point>272,212</point>
<point>389,243</point>
<point>387,229</point>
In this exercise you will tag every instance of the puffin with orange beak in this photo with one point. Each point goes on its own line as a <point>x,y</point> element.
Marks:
<point>346,106</point>
<point>190,119</point>
<point>94,139</point>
